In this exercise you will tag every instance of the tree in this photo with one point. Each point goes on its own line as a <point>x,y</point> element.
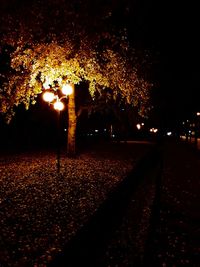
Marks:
<point>53,43</point>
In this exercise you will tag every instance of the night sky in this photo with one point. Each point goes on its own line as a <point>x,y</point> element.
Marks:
<point>171,30</point>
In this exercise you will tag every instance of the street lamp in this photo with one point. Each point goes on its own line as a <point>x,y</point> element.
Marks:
<point>197,128</point>
<point>52,96</point>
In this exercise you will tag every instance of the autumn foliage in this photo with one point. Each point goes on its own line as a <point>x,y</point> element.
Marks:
<point>55,40</point>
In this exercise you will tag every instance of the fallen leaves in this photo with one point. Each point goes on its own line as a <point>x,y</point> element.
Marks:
<point>40,210</point>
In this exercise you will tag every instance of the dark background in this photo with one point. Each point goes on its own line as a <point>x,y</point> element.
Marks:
<point>168,30</point>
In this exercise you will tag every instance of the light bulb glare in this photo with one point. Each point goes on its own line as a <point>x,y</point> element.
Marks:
<point>58,105</point>
<point>48,96</point>
<point>67,89</point>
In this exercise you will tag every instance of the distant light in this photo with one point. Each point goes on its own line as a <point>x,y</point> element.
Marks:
<point>96,131</point>
<point>189,131</point>
<point>138,126</point>
<point>183,137</point>
<point>48,96</point>
<point>113,135</point>
<point>198,113</point>
<point>67,89</point>
<point>105,130</point>
<point>142,123</point>
<point>183,122</point>
<point>58,105</point>
<point>153,130</point>
<point>65,130</point>
<point>169,133</point>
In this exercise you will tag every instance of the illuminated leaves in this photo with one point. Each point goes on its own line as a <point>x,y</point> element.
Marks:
<point>53,41</point>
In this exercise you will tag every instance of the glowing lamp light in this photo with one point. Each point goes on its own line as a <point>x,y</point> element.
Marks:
<point>48,96</point>
<point>58,105</point>
<point>67,89</point>
<point>153,130</point>
<point>138,126</point>
<point>198,113</point>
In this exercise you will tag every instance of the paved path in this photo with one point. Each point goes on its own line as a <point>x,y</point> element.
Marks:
<point>128,232</point>
<point>176,238</point>
<point>116,234</point>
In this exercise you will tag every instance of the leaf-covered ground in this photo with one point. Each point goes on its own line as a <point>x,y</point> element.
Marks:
<point>40,210</point>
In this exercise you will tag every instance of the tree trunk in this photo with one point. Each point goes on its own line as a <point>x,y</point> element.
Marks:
<point>71,141</point>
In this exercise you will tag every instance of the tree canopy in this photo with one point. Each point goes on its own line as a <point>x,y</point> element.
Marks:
<point>54,41</point>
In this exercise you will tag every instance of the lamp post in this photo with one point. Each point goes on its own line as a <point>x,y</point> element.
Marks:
<point>197,128</point>
<point>54,96</point>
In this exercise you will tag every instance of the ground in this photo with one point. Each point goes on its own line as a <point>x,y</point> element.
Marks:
<point>155,223</point>
<point>176,239</point>
<point>41,210</point>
